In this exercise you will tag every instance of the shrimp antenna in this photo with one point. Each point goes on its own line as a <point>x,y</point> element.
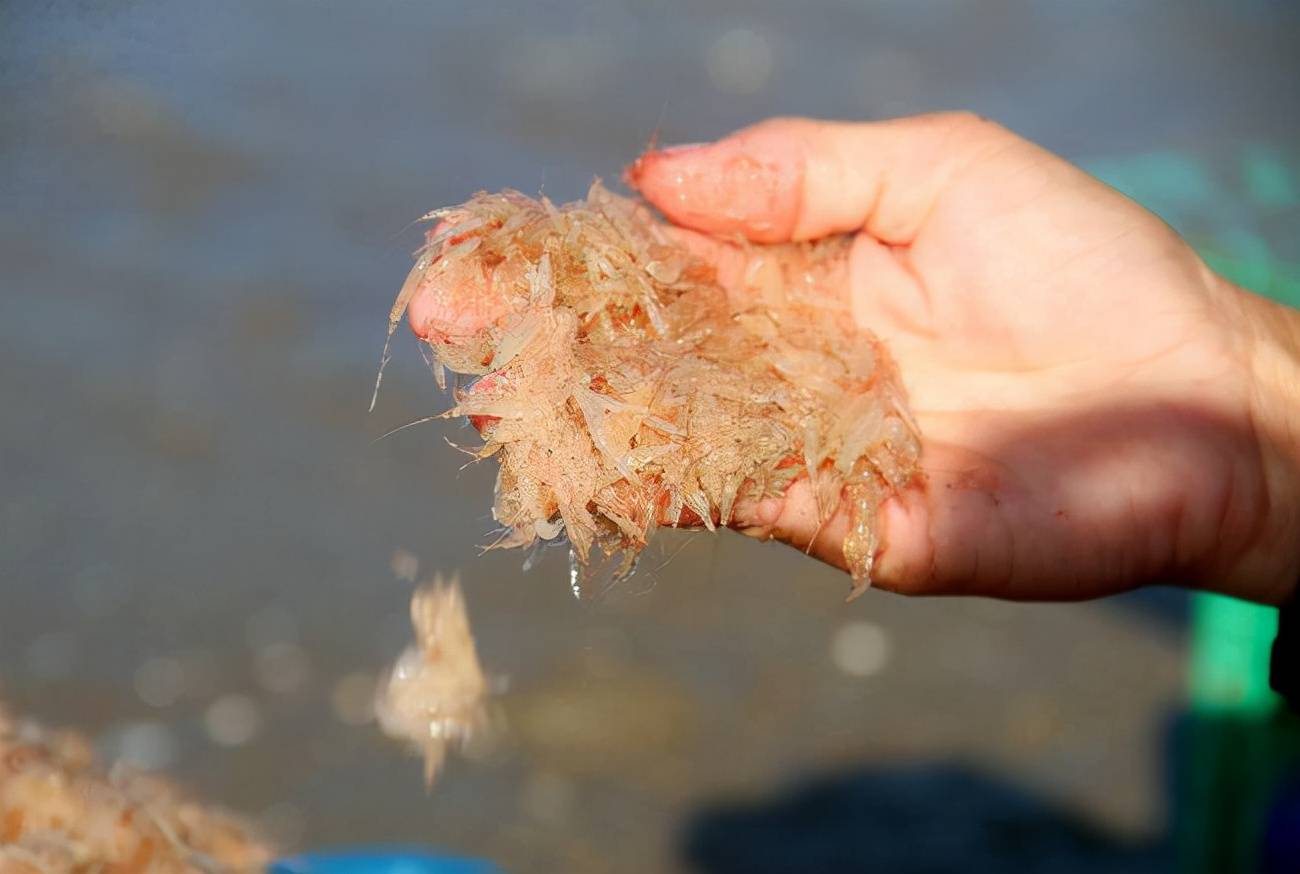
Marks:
<point>385,436</point>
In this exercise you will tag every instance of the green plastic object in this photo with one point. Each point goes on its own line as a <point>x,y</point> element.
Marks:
<point>1231,642</point>
<point>1234,746</point>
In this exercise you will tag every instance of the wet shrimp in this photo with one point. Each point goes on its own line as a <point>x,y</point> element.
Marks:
<point>622,387</point>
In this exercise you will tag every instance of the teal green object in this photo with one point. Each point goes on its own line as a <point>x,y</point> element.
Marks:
<point>1169,184</point>
<point>1232,640</point>
<point>1238,746</point>
<point>379,860</point>
<point>1268,180</point>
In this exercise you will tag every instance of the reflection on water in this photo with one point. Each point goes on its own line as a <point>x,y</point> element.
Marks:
<point>205,220</point>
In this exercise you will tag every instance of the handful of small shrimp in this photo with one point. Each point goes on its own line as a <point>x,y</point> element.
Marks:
<point>623,387</point>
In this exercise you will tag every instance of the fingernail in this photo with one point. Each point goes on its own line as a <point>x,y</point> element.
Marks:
<point>672,151</point>
<point>668,163</point>
<point>635,172</point>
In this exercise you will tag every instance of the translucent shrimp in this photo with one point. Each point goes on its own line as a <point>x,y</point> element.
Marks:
<point>625,388</point>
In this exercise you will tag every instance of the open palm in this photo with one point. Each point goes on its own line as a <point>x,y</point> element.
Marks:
<point>1083,382</point>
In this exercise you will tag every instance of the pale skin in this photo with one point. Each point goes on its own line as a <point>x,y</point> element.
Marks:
<point>1099,410</point>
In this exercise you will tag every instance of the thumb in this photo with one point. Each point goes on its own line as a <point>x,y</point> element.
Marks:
<point>798,179</point>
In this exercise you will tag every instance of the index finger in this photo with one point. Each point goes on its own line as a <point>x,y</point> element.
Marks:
<point>791,179</point>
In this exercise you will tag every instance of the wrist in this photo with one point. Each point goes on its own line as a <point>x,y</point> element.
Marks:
<point>1270,572</point>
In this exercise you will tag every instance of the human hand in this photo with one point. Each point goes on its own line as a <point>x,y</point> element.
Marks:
<point>1099,410</point>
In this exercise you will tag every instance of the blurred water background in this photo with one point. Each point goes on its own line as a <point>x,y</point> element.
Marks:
<point>204,219</point>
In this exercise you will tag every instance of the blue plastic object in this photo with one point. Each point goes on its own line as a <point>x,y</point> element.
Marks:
<point>379,860</point>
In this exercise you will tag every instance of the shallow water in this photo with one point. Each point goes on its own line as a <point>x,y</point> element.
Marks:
<point>204,223</point>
